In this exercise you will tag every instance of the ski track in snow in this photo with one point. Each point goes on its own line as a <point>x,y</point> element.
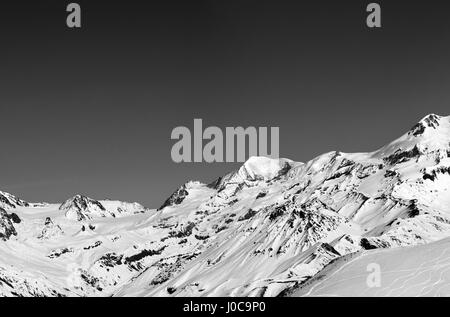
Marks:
<point>420,277</point>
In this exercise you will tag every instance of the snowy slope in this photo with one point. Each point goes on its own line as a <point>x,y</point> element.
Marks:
<point>413,271</point>
<point>264,230</point>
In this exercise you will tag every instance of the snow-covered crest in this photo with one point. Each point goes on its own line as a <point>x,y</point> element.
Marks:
<point>8,201</point>
<point>262,230</point>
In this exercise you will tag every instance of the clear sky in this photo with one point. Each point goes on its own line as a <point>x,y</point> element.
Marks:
<point>91,110</point>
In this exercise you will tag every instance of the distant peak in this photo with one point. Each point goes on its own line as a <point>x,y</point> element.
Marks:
<point>431,120</point>
<point>80,202</point>
<point>9,201</point>
<point>79,197</point>
<point>176,198</point>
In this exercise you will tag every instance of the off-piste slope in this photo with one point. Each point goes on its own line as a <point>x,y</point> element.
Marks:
<point>422,270</point>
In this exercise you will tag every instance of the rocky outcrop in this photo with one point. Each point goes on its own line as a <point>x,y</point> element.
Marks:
<point>6,225</point>
<point>8,201</point>
<point>82,208</point>
<point>176,198</point>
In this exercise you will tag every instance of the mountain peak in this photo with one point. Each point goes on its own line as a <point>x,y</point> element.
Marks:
<point>8,201</point>
<point>430,134</point>
<point>81,202</point>
<point>80,207</point>
<point>261,167</point>
<point>431,121</point>
<point>256,168</point>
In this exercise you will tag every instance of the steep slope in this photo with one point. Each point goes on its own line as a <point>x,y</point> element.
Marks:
<point>8,201</point>
<point>431,134</point>
<point>6,225</point>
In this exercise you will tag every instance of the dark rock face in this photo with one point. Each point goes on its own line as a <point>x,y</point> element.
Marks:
<point>58,252</point>
<point>81,208</point>
<point>186,231</point>
<point>432,121</point>
<point>50,230</point>
<point>373,243</point>
<point>283,171</point>
<point>327,247</point>
<point>200,237</point>
<point>91,280</point>
<point>9,201</point>
<point>216,184</point>
<point>6,226</point>
<point>95,245</point>
<point>390,173</point>
<point>81,203</point>
<point>418,129</point>
<point>402,156</point>
<point>171,290</point>
<point>176,198</point>
<point>6,201</point>
<point>14,218</point>
<point>367,245</point>
<point>144,253</point>
<point>250,213</point>
<point>413,210</point>
<point>279,211</point>
<point>434,174</point>
<point>261,195</point>
<point>111,260</point>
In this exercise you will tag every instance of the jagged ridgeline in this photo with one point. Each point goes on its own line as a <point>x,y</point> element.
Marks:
<point>267,229</point>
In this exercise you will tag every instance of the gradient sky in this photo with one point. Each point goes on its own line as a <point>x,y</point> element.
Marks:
<point>91,110</point>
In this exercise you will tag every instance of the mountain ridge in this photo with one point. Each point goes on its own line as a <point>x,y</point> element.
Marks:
<point>262,230</point>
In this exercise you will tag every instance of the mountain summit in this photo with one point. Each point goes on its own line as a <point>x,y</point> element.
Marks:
<point>8,201</point>
<point>432,133</point>
<point>82,208</point>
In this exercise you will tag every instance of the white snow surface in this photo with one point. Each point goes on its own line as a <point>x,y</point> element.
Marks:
<point>411,271</point>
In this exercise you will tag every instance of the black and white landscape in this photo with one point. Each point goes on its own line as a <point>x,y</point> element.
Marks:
<point>273,227</point>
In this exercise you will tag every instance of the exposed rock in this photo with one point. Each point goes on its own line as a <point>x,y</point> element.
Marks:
<point>176,198</point>
<point>6,226</point>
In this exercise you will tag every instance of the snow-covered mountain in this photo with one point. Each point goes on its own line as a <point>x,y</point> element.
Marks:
<point>269,228</point>
<point>81,208</point>
<point>8,201</point>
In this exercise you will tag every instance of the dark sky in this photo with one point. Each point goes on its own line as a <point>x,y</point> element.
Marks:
<point>91,110</point>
